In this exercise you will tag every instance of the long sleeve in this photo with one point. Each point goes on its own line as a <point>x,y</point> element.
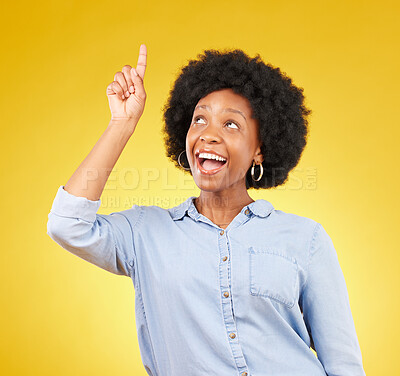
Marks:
<point>103,240</point>
<point>326,310</point>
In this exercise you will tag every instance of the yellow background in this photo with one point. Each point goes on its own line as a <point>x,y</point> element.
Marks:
<point>63,316</point>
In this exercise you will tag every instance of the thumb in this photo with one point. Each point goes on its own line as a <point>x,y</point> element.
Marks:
<point>138,82</point>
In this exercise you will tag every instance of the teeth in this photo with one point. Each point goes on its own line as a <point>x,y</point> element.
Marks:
<point>211,156</point>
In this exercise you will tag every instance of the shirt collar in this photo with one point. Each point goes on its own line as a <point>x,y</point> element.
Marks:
<point>260,207</point>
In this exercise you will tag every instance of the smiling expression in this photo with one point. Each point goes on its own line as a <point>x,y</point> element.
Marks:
<point>222,141</point>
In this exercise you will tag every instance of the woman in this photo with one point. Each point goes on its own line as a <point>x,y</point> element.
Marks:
<point>224,285</point>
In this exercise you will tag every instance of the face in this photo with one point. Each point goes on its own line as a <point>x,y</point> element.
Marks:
<point>222,141</point>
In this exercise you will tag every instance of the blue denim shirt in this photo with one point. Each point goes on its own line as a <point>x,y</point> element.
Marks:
<point>246,300</point>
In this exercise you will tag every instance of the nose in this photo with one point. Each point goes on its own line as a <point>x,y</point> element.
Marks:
<point>210,135</point>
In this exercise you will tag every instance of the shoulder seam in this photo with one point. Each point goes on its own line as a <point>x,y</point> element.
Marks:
<point>312,243</point>
<point>140,216</point>
<point>310,248</point>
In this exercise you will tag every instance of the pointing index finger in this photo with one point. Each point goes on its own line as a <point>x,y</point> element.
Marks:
<point>142,61</point>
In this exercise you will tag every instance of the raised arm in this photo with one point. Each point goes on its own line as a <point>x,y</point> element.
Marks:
<point>73,222</point>
<point>127,97</point>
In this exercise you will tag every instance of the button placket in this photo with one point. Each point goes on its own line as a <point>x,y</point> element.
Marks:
<point>225,285</point>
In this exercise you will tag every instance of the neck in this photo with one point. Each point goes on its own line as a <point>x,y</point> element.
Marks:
<point>223,206</point>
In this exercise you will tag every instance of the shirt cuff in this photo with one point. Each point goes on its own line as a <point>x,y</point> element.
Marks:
<point>66,204</point>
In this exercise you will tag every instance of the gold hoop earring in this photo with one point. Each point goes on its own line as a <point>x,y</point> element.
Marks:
<point>179,160</point>
<point>261,172</point>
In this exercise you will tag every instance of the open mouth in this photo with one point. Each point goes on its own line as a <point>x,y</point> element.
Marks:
<point>210,166</point>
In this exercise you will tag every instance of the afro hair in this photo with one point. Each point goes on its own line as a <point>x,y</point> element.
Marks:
<point>277,104</point>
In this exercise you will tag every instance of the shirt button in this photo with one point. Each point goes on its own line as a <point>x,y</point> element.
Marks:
<point>224,258</point>
<point>246,212</point>
<point>226,294</point>
<point>222,232</point>
<point>232,335</point>
<point>244,374</point>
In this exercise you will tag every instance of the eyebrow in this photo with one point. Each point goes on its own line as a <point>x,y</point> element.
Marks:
<point>226,110</point>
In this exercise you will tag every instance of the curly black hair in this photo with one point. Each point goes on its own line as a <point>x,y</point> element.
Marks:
<point>277,104</point>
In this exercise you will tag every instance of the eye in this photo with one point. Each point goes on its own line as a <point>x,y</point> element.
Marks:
<point>198,118</point>
<point>234,124</point>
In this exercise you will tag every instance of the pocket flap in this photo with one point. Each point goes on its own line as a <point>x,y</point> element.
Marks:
<point>274,275</point>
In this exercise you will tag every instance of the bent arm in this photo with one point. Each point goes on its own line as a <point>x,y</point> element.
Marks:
<point>103,240</point>
<point>326,310</point>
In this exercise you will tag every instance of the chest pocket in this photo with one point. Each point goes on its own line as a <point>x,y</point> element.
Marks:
<point>273,274</point>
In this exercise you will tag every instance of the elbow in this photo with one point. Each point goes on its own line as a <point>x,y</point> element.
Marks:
<point>67,230</point>
<point>55,229</point>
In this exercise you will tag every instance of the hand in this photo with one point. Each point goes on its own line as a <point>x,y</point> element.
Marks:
<point>126,94</point>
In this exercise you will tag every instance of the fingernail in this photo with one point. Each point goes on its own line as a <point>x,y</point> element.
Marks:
<point>134,71</point>
<point>123,96</point>
<point>127,94</point>
<point>131,89</point>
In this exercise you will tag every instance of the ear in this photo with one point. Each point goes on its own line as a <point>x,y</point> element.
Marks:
<point>258,157</point>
